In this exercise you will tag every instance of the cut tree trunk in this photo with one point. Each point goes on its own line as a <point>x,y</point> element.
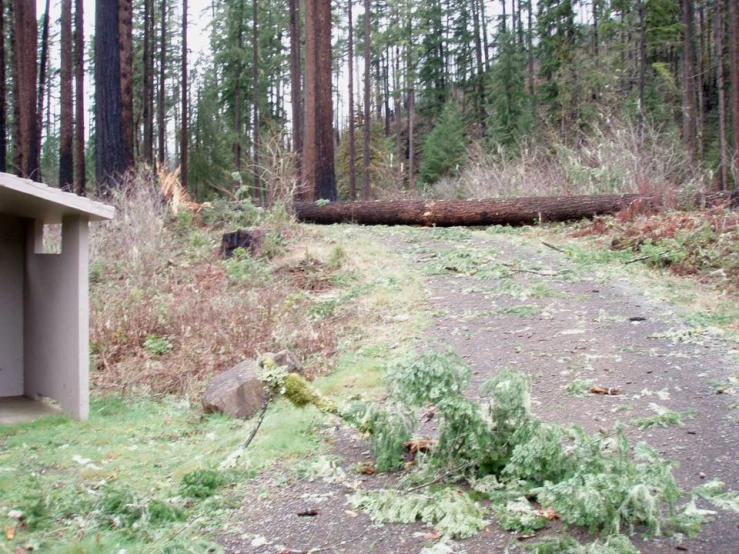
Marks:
<point>446,213</point>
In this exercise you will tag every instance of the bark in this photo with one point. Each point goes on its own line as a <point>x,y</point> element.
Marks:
<point>642,65</point>
<point>43,65</point>
<point>79,75</point>
<point>734,78</point>
<point>25,35</point>
<point>66,138</point>
<point>238,126</point>
<point>183,84</point>
<point>688,93</point>
<point>3,100</point>
<point>318,155</point>
<point>366,124</point>
<point>484,25</point>
<point>723,169</point>
<point>110,154</point>
<point>258,192</point>
<point>161,124</point>
<point>444,213</point>
<point>146,86</point>
<point>352,140</point>
<point>125,38</point>
<point>295,82</point>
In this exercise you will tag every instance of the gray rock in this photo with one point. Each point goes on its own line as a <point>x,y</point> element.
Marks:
<point>238,392</point>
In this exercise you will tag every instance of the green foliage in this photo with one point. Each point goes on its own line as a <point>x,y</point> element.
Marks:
<point>451,512</point>
<point>154,344</point>
<point>428,378</point>
<point>664,418</point>
<point>443,151</point>
<point>202,483</point>
<point>565,544</point>
<point>520,516</point>
<point>243,269</point>
<point>579,387</point>
<point>389,427</point>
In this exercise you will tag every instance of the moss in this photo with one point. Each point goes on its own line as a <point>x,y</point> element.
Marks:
<point>300,393</point>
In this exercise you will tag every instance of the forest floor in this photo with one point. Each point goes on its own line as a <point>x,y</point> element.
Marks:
<point>571,319</point>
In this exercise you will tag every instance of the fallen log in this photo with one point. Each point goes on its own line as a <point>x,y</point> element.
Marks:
<point>447,213</point>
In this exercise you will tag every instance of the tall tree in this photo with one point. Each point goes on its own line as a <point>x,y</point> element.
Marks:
<point>43,65</point>
<point>79,111</point>
<point>125,38</point>
<point>255,99</point>
<point>162,99</point>
<point>719,30</point>
<point>688,84</point>
<point>25,35</point>
<point>110,154</point>
<point>318,155</point>
<point>367,123</point>
<point>147,104</point>
<point>66,138</point>
<point>295,82</point>
<point>238,125</point>
<point>734,78</point>
<point>3,101</point>
<point>183,85</point>
<point>352,143</point>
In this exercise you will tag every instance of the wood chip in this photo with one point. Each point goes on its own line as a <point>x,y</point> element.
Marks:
<point>605,391</point>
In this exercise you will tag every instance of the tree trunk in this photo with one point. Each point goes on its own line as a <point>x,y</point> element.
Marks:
<point>183,85</point>
<point>161,124</point>
<point>79,112</point>
<point>352,141</point>
<point>688,93</point>
<point>43,65</point>
<point>445,213</point>
<point>366,124</point>
<point>734,78</point>
<point>25,35</point>
<point>3,100</point>
<point>295,81</point>
<point>530,47</point>
<point>723,165</point>
<point>125,39</point>
<point>110,150</point>
<point>146,88</point>
<point>238,126</point>
<point>318,156</point>
<point>484,25</point>
<point>66,138</point>
<point>642,66</point>
<point>258,192</point>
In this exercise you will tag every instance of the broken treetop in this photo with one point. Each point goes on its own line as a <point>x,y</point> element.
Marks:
<point>25,198</point>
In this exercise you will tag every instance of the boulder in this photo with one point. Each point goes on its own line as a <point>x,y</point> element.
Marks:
<point>238,392</point>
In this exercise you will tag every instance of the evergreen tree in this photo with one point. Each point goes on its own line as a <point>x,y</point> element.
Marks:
<point>443,151</point>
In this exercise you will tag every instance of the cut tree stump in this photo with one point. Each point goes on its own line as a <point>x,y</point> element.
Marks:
<point>250,240</point>
<point>447,213</point>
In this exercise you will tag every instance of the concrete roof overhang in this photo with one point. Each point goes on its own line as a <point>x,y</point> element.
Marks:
<point>24,198</point>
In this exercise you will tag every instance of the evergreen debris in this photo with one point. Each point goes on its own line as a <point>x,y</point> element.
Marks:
<point>530,472</point>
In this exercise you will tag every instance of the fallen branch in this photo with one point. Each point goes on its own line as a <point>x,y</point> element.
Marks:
<point>557,248</point>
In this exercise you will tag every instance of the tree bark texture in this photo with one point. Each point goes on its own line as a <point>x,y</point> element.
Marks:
<point>367,123</point>
<point>25,36</point>
<point>352,137</point>
<point>66,138</point>
<point>734,78</point>
<point>183,85</point>
<point>43,65</point>
<point>318,155</point>
<point>689,93</point>
<point>79,110</point>
<point>161,124</point>
<point>723,166</point>
<point>146,87</point>
<point>3,93</point>
<point>446,213</point>
<point>295,82</point>
<point>258,192</point>
<point>110,154</point>
<point>126,48</point>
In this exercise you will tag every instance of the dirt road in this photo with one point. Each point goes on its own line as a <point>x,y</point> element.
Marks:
<point>508,301</point>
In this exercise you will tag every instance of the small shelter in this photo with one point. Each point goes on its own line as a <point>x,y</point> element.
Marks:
<point>44,302</point>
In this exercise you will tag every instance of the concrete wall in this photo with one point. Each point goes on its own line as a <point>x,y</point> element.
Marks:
<point>11,305</point>
<point>56,325</point>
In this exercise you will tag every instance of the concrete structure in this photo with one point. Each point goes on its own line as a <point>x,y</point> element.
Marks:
<point>44,306</point>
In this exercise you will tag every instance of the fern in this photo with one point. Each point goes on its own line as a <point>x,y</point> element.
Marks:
<point>452,513</point>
